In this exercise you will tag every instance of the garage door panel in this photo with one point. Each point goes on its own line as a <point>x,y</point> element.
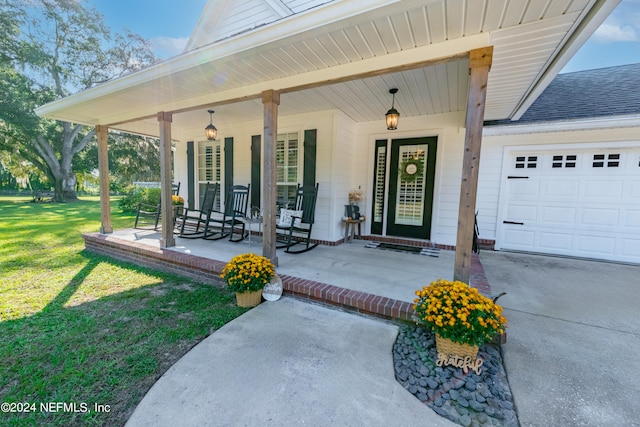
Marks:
<point>603,189</point>
<point>522,212</point>
<point>558,215</point>
<point>563,189</point>
<point>586,206</point>
<point>520,239</point>
<point>600,217</point>
<point>524,187</point>
<point>629,249</point>
<point>601,246</point>
<point>632,219</point>
<point>556,241</point>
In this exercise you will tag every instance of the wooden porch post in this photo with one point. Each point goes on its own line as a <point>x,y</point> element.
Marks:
<point>271,100</point>
<point>479,65</point>
<point>166,208</point>
<point>103,168</point>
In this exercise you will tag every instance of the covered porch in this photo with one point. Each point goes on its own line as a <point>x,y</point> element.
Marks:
<point>323,74</point>
<point>351,276</point>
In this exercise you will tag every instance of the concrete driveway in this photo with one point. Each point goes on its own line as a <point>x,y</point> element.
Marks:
<point>573,348</point>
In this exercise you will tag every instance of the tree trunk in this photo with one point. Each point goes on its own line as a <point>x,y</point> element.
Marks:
<point>68,186</point>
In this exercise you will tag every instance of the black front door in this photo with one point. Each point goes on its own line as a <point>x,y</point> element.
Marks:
<point>411,184</point>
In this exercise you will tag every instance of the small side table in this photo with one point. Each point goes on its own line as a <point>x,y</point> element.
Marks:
<point>350,229</point>
<point>249,222</point>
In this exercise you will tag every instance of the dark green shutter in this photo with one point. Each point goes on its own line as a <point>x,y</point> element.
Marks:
<point>191,175</point>
<point>309,177</point>
<point>228,164</point>
<point>255,170</point>
<point>379,172</point>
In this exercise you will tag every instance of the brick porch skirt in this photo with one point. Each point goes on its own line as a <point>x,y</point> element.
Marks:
<point>208,271</point>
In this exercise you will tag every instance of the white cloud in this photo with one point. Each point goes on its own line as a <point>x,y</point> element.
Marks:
<point>623,25</point>
<point>608,33</point>
<point>166,47</point>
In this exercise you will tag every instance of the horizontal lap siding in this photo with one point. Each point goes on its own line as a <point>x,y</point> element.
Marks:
<point>349,170</point>
<point>242,16</point>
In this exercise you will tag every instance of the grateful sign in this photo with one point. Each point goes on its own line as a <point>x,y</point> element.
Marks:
<point>466,363</point>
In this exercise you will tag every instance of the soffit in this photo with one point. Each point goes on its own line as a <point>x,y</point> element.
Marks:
<point>527,36</point>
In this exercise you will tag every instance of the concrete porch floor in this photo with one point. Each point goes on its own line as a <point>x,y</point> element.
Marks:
<point>374,281</point>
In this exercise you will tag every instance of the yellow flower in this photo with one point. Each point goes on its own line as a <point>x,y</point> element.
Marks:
<point>458,312</point>
<point>248,272</point>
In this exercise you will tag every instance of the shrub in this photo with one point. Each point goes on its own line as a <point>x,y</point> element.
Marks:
<point>133,196</point>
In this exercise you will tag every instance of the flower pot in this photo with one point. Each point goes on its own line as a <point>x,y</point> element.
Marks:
<point>447,348</point>
<point>249,298</point>
<point>272,291</point>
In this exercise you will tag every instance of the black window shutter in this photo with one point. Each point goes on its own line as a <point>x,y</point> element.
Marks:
<point>228,164</point>
<point>310,138</point>
<point>191,175</point>
<point>255,171</point>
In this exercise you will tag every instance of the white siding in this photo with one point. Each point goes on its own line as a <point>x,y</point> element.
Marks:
<point>242,132</point>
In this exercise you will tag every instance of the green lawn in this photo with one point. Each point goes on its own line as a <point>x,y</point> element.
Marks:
<point>81,329</point>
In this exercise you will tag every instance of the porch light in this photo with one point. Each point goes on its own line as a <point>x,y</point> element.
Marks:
<point>392,115</point>
<point>210,131</point>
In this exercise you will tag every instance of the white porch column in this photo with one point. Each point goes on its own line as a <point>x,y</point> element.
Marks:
<point>271,100</point>
<point>166,208</point>
<point>103,168</point>
<point>479,65</point>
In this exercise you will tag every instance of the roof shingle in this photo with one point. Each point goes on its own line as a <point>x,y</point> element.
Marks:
<point>612,91</point>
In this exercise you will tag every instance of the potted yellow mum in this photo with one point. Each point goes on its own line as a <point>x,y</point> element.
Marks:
<point>246,275</point>
<point>461,318</point>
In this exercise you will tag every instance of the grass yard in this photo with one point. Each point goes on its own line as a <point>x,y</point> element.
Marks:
<point>84,330</point>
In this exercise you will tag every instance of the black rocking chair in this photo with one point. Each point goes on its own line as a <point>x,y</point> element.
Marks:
<point>147,215</point>
<point>295,225</point>
<point>191,224</point>
<point>230,220</point>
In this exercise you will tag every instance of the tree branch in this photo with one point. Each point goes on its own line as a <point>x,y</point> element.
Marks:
<point>45,150</point>
<point>83,143</point>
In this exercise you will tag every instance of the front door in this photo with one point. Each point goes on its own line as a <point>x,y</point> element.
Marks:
<point>411,183</point>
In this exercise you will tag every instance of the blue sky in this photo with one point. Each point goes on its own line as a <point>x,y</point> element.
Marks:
<point>168,24</point>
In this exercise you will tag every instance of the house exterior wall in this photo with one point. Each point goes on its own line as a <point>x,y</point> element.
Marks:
<point>496,141</point>
<point>324,122</point>
<point>344,162</point>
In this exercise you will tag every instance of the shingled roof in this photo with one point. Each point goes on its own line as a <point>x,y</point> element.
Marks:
<point>602,92</point>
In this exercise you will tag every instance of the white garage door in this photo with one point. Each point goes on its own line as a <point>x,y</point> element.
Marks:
<point>577,202</point>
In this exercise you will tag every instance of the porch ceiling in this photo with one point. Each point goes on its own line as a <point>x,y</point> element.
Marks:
<point>346,55</point>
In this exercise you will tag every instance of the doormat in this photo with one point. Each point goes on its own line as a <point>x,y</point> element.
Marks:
<point>432,252</point>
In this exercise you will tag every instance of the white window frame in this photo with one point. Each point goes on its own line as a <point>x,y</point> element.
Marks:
<point>215,175</point>
<point>285,138</point>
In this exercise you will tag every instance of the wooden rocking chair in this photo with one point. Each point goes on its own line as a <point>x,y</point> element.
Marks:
<point>230,221</point>
<point>191,224</point>
<point>294,225</point>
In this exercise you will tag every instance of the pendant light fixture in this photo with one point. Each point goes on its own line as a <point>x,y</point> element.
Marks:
<point>211,131</point>
<point>392,115</point>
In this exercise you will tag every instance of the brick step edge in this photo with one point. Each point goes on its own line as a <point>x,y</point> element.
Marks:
<point>208,271</point>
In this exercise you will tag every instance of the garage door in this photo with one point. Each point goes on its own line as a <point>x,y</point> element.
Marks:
<point>575,202</point>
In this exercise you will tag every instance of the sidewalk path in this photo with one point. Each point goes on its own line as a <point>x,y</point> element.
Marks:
<point>285,363</point>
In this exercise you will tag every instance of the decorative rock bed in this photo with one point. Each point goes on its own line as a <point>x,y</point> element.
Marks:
<point>466,399</point>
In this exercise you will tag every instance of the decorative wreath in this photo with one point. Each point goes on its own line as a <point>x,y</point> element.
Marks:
<point>411,169</point>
